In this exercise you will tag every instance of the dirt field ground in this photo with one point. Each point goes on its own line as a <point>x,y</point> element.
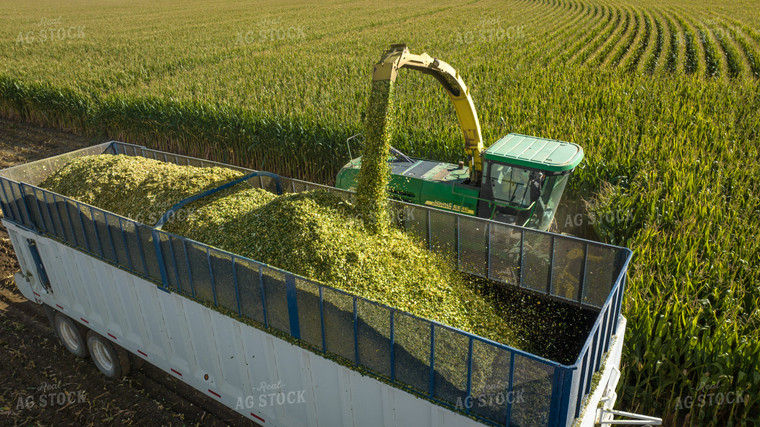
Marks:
<point>43,384</point>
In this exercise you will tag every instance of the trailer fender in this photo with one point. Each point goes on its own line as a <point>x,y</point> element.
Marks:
<point>25,286</point>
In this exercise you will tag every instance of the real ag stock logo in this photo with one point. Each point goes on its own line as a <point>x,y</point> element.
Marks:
<point>273,394</point>
<point>270,30</point>
<point>51,30</point>
<point>710,395</point>
<point>50,395</point>
<point>489,31</point>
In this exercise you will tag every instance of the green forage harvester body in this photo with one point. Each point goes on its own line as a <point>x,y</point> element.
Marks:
<point>371,187</point>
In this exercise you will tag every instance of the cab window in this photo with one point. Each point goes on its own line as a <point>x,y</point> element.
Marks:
<point>514,186</point>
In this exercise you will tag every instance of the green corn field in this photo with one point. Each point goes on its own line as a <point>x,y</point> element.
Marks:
<point>663,96</point>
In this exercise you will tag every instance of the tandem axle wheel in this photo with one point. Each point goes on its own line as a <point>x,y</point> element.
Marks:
<point>110,359</point>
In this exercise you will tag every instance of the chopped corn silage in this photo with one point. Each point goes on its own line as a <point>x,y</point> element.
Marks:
<point>135,187</point>
<point>372,183</point>
<point>314,234</point>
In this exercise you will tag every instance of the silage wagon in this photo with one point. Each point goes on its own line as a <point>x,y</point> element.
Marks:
<point>286,351</point>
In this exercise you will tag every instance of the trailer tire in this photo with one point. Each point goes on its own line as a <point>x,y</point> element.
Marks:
<point>111,360</point>
<point>50,314</point>
<point>70,334</point>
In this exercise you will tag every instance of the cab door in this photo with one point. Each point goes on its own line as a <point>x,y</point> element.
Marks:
<point>485,202</point>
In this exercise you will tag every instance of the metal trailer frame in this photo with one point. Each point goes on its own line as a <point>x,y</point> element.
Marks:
<point>99,268</point>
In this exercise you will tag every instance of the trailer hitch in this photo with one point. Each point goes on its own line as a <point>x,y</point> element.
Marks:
<point>605,416</point>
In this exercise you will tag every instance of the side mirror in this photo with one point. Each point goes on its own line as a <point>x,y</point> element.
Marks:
<point>358,139</point>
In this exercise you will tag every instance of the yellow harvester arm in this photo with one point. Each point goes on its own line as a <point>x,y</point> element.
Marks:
<point>398,57</point>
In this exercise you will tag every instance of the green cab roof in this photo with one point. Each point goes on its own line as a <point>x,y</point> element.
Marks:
<point>536,153</point>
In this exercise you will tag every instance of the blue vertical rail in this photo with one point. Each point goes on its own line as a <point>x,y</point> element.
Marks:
<point>160,258</point>
<point>429,232</point>
<point>263,296</point>
<point>292,296</point>
<point>110,239</point>
<point>237,287</point>
<point>6,214</point>
<point>71,222</point>
<point>211,276</point>
<point>12,208</point>
<point>488,252</point>
<point>595,353</point>
<point>322,318</point>
<point>174,262</point>
<point>39,210</point>
<point>189,270</point>
<point>356,333</point>
<point>522,259</point>
<point>550,285</point>
<point>609,331</point>
<point>140,249</point>
<point>50,215</point>
<point>458,239</point>
<point>584,269</point>
<point>126,245</point>
<point>432,360</point>
<point>468,393</point>
<point>97,233</point>
<point>511,386</point>
<point>562,383</point>
<point>393,344</point>
<point>22,196</point>
<point>84,231</point>
<point>619,301</point>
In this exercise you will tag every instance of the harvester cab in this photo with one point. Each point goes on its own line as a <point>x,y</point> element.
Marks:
<point>523,179</point>
<point>518,180</point>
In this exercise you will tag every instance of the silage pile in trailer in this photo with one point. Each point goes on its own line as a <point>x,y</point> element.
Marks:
<point>314,234</point>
